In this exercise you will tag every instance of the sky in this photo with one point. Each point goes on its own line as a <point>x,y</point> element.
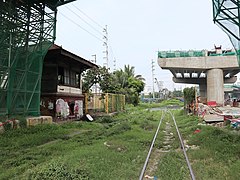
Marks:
<point>137,30</point>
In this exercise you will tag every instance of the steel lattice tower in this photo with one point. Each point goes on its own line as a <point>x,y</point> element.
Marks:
<point>27,31</point>
<point>226,16</point>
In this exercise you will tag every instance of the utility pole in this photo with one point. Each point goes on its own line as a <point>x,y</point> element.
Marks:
<point>153,78</point>
<point>95,58</point>
<point>114,64</point>
<point>160,87</point>
<point>105,43</point>
<point>95,85</point>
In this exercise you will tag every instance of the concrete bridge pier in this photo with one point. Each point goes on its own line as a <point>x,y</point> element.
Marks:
<point>215,86</point>
<point>209,69</point>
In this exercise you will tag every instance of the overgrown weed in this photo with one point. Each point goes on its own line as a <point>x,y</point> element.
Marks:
<point>116,148</point>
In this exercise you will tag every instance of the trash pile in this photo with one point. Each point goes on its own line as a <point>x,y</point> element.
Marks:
<point>9,124</point>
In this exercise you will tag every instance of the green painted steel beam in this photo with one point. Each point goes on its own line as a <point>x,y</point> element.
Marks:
<point>27,27</point>
<point>27,31</point>
<point>226,14</point>
<point>52,4</point>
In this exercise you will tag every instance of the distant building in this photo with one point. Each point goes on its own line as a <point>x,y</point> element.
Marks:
<point>232,92</point>
<point>61,87</point>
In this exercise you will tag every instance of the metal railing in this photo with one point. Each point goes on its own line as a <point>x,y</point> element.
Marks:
<point>104,102</point>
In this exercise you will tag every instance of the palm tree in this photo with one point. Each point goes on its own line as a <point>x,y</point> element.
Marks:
<point>139,77</point>
<point>129,71</point>
<point>120,78</point>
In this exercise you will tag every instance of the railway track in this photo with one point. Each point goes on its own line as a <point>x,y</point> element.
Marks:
<point>155,154</point>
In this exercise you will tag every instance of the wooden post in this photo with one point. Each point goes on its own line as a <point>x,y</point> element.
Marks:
<point>113,104</point>
<point>106,103</point>
<point>86,103</point>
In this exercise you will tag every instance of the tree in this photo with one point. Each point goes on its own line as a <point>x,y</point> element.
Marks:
<point>189,95</point>
<point>90,77</point>
<point>129,70</point>
<point>135,87</point>
<point>131,85</point>
<point>120,78</point>
<point>106,81</point>
<point>177,93</point>
<point>120,81</point>
<point>100,76</point>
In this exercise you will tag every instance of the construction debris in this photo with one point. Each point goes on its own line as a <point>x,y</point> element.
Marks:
<point>213,118</point>
<point>150,177</point>
<point>217,116</point>
<point>11,124</point>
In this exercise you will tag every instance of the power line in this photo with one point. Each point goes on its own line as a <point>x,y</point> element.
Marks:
<point>61,37</point>
<point>84,21</point>
<point>81,27</point>
<point>88,16</point>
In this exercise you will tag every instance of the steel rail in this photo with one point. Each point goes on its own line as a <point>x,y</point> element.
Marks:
<point>150,150</point>
<point>183,148</point>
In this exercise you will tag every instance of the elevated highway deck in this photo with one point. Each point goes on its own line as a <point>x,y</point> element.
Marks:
<point>209,69</point>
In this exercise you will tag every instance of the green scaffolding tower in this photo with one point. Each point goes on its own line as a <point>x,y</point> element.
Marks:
<point>226,16</point>
<point>27,31</point>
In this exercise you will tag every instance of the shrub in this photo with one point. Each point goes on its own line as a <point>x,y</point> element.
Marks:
<point>146,125</point>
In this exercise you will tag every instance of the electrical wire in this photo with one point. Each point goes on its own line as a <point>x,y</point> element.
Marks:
<point>74,22</point>
<point>88,16</point>
<point>81,27</point>
<point>61,38</point>
<point>85,21</point>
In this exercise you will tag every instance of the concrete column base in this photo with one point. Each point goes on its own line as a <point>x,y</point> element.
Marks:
<point>215,86</point>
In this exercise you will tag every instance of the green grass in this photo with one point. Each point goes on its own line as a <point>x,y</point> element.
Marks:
<point>116,148</point>
<point>176,102</point>
<point>108,148</point>
<point>219,149</point>
<point>169,102</point>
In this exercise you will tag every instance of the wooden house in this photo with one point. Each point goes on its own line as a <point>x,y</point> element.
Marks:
<point>61,87</point>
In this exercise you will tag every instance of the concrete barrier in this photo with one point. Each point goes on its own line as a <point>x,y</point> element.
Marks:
<point>33,121</point>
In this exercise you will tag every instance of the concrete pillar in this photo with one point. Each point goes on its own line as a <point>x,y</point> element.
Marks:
<point>215,86</point>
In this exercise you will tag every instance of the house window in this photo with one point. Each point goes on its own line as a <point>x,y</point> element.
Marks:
<point>60,75</point>
<point>77,79</point>
<point>66,77</point>
<point>72,78</point>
